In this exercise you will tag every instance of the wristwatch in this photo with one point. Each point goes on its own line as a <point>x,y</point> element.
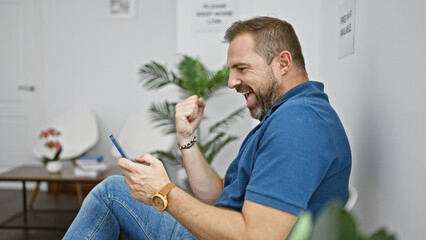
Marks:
<point>159,200</point>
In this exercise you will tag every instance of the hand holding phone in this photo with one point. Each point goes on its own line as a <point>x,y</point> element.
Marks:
<point>120,149</point>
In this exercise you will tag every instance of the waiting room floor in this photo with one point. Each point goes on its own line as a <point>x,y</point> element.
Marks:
<point>11,203</point>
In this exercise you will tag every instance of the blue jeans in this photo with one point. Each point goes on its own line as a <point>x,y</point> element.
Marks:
<point>109,208</point>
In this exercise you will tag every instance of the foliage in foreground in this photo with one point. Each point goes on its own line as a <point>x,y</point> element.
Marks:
<point>333,223</point>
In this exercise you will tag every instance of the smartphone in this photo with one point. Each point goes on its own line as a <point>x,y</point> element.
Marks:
<point>118,146</point>
<point>121,151</point>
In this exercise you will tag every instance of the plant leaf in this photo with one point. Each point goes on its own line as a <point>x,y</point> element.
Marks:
<point>163,154</point>
<point>155,76</point>
<point>215,82</point>
<point>302,228</point>
<point>381,235</point>
<point>195,79</point>
<point>162,115</point>
<point>204,147</point>
<point>217,145</point>
<point>334,223</point>
<point>224,123</point>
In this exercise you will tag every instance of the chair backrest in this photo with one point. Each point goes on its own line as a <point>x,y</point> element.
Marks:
<point>137,137</point>
<point>353,197</point>
<point>79,133</point>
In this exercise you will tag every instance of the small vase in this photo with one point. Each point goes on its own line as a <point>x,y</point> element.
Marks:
<point>53,166</point>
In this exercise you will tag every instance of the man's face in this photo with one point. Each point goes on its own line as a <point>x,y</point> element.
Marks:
<point>252,76</point>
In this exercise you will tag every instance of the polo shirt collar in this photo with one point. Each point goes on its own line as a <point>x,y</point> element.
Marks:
<point>294,92</point>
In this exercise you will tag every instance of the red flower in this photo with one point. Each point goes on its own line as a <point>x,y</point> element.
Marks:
<point>44,134</point>
<point>58,146</point>
<point>49,144</point>
<point>50,131</point>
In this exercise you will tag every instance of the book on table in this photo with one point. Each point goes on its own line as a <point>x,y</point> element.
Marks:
<point>90,166</point>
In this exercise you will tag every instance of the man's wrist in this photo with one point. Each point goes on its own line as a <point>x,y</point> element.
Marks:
<point>182,140</point>
<point>159,201</point>
<point>188,144</point>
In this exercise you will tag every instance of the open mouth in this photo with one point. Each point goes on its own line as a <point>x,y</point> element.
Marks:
<point>249,96</point>
<point>247,92</point>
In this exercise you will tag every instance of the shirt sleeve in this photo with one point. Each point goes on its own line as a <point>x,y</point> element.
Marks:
<point>293,156</point>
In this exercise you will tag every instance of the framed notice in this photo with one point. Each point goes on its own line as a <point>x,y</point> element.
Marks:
<point>213,15</point>
<point>120,9</point>
<point>346,28</point>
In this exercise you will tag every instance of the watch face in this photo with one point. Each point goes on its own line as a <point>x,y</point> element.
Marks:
<point>158,203</point>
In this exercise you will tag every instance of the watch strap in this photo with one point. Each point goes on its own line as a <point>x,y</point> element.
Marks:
<point>166,189</point>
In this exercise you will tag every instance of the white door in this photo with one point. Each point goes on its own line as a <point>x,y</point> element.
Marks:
<point>20,78</point>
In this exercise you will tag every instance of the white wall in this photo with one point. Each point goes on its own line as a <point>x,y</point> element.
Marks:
<point>379,93</point>
<point>93,61</point>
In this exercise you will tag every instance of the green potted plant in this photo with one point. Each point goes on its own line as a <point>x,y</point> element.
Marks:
<point>192,78</point>
<point>332,223</point>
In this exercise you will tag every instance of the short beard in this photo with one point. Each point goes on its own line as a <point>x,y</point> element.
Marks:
<point>266,98</point>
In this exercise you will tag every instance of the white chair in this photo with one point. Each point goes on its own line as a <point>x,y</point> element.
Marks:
<point>352,198</point>
<point>138,136</point>
<point>79,133</point>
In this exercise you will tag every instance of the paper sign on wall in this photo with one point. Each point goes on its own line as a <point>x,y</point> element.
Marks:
<point>346,28</point>
<point>213,15</point>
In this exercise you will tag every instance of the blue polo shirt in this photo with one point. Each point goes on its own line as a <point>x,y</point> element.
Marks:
<point>297,158</point>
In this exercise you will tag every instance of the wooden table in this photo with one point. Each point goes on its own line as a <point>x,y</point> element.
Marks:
<point>38,173</point>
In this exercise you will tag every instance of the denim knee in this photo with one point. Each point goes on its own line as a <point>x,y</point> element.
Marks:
<point>109,186</point>
<point>113,180</point>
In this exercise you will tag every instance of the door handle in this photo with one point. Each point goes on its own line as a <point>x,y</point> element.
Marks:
<point>29,88</point>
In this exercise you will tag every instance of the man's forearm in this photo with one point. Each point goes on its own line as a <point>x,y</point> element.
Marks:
<point>205,182</point>
<point>255,221</point>
<point>205,221</point>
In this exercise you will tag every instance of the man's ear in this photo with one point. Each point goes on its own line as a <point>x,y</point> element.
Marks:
<point>285,62</point>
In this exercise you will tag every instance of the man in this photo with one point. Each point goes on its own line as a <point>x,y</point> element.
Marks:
<point>297,158</point>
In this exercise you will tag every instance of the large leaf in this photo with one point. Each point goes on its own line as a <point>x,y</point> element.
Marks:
<point>381,235</point>
<point>303,227</point>
<point>334,223</point>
